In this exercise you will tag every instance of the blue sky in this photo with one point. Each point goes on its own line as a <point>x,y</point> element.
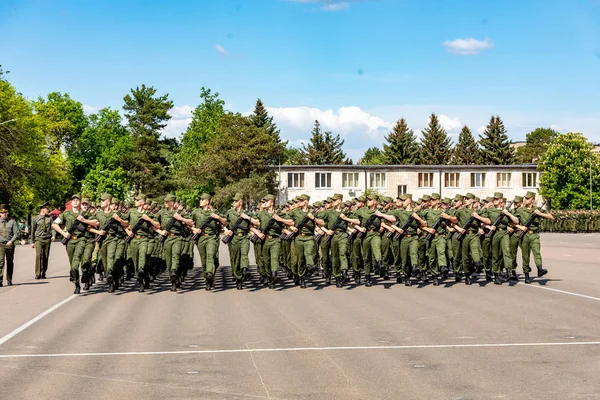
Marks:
<point>357,66</point>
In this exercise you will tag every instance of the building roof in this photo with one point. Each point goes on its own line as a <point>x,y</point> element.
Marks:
<point>530,167</point>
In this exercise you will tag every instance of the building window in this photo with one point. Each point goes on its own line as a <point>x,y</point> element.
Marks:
<point>425,179</point>
<point>504,180</point>
<point>402,189</point>
<point>452,180</point>
<point>377,180</point>
<point>529,179</point>
<point>323,180</point>
<point>350,180</point>
<point>295,180</point>
<point>477,179</point>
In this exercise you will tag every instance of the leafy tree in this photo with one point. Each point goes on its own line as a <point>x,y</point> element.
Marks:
<point>294,156</point>
<point>436,146</point>
<point>324,148</point>
<point>373,156</point>
<point>402,146</point>
<point>102,179</point>
<point>66,120</point>
<point>537,141</point>
<point>565,168</point>
<point>495,145</point>
<point>147,114</point>
<point>466,152</point>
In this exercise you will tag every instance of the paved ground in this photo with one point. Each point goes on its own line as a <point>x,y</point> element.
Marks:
<point>539,341</point>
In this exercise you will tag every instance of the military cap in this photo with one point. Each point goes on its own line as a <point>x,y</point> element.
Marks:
<point>115,200</point>
<point>409,196</point>
<point>3,208</point>
<point>238,196</point>
<point>347,203</point>
<point>153,204</point>
<point>498,195</point>
<point>373,196</point>
<point>289,202</point>
<point>446,200</point>
<point>426,197</point>
<point>269,197</point>
<point>140,197</point>
<point>127,204</point>
<point>489,198</point>
<point>76,196</point>
<point>205,196</point>
<point>354,201</point>
<point>458,197</point>
<point>477,199</point>
<point>105,196</point>
<point>403,197</point>
<point>362,198</point>
<point>44,204</point>
<point>304,197</point>
<point>318,204</point>
<point>518,199</point>
<point>419,201</point>
<point>388,199</point>
<point>384,200</point>
<point>329,200</point>
<point>530,195</point>
<point>338,196</point>
<point>169,197</point>
<point>470,196</point>
<point>85,200</point>
<point>436,196</point>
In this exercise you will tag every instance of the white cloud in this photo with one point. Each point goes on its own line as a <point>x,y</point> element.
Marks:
<point>221,49</point>
<point>330,5</point>
<point>468,46</point>
<point>481,129</point>
<point>335,6</point>
<point>87,109</point>
<point>181,117</point>
<point>556,127</point>
<point>450,124</point>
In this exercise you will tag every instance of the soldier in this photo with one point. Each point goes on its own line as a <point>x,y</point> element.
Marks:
<point>88,238</point>
<point>9,232</point>
<point>500,240</point>
<point>356,258</point>
<point>304,228</point>
<point>140,228</point>
<point>41,238</point>
<point>238,226</point>
<point>531,240</point>
<point>339,241</point>
<point>485,240</point>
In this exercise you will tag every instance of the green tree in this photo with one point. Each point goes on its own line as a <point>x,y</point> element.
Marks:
<point>324,148</point>
<point>496,147</point>
<point>261,119</point>
<point>294,156</point>
<point>66,120</point>
<point>436,146</point>
<point>536,143</point>
<point>565,168</point>
<point>401,145</point>
<point>373,156</point>
<point>466,151</point>
<point>147,114</point>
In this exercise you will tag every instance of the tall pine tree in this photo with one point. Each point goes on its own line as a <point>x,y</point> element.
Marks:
<point>436,146</point>
<point>466,152</point>
<point>496,147</point>
<point>324,148</point>
<point>402,146</point>
<point>261,119</point>
<point>147,114</point>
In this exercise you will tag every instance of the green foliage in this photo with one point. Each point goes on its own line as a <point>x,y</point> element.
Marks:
<point>253,188</point>
<point>537,141</point>
<point>294,156</point>
<point>261,119</point>
<point>565,168</point>
<point>66,120</point>
<point>109,180</point>
<point>436,146</point>
<point>147,114</point>
<point>324,148</point>
<point>466,152</point>
<point>372,156</point>
<point>495,145</point>
<point>402,146</point>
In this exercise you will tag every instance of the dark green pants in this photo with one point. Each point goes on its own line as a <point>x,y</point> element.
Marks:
<point>112,255</point>
<point>409,253</point>
<point>531,244</point>
<point>305,253</point>
<point>75,249</point>
<point>456,253</point>
<point>339,253</point>
<point>486,253</point>
<point>7,253</point>
<point>437,254</point>
<point>239,247</point>
<point>471,250</point>
<point>386,244</point>
<point>423,265</point>
<point>514,247</point>
<point>172,252</point>
<point>325,257</point>
<point>371,250</point>
<point>270,255</point>
<point>208,248</point>
<point>501,254</point>
<point>42,253</point>
<point>139,254</point>
<point>356,259</point>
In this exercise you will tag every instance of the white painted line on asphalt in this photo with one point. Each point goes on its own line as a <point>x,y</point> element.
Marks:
<point>34,320</point>
<point>302,349</point>
<point>564,292</point>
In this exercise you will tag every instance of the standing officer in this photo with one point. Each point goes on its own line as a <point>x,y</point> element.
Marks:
<point>41,237</point>
<point>9,232</point>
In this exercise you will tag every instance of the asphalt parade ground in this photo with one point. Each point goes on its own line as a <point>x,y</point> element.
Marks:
<point>514,341</point>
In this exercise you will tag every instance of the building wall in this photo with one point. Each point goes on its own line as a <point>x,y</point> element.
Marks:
<point>408,176</point>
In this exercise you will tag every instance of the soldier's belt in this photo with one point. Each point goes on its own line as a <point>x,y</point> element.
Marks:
<point>272,237</point>
<point>241,234</point>
<point>307,234</point>
<point>74,237</point>
<point>410,235</point>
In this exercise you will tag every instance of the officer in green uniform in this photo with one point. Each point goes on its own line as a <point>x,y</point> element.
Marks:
<point>9,233</point>
<point>74,231</point>
<point>452,238</point>
<point>326,215</point>
<point>409,243</point>
<point>486,242</point>
<point>41,238</point>
<point>356,258</point>
<point>236,238</point>
<point>205,222</point>
<point>531,240</point>
<point>386,232</point>
<point>500,240</point>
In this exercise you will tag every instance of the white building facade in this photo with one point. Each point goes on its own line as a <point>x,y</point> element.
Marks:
<point>321,181</point>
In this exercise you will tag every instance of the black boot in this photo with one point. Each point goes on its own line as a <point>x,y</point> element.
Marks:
<point>424,277</point>
<point>72,275</point>
<point>85,279</point>
<point>541,272</point>
<point>140,280</point>
<point>399,278</point>
<point>467,279</point>
<point>303,282</point>
<point>457,277</point>
<point>344,278</point>
<point>368,282</point>
<point>527,278</point>
<point>110,283</point>
<point>77,288</point>
<point>497,279</point>
<point>209,281</point>
<point>488,276</point>
<point>296,280</point>
<point>444,272</point>
<point>357,277</point>
<point>173,280</point>
<point>513,276</point>
<point>383,271</point>
<point>310,270</point>
<point>245,274</point>
<point>238,284</point>
<point>328,279</point>
<point>436,281</point>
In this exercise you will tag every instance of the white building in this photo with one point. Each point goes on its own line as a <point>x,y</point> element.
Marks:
<point>321,181</point>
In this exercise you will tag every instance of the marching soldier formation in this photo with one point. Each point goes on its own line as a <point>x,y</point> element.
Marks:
<point>360,239</point>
